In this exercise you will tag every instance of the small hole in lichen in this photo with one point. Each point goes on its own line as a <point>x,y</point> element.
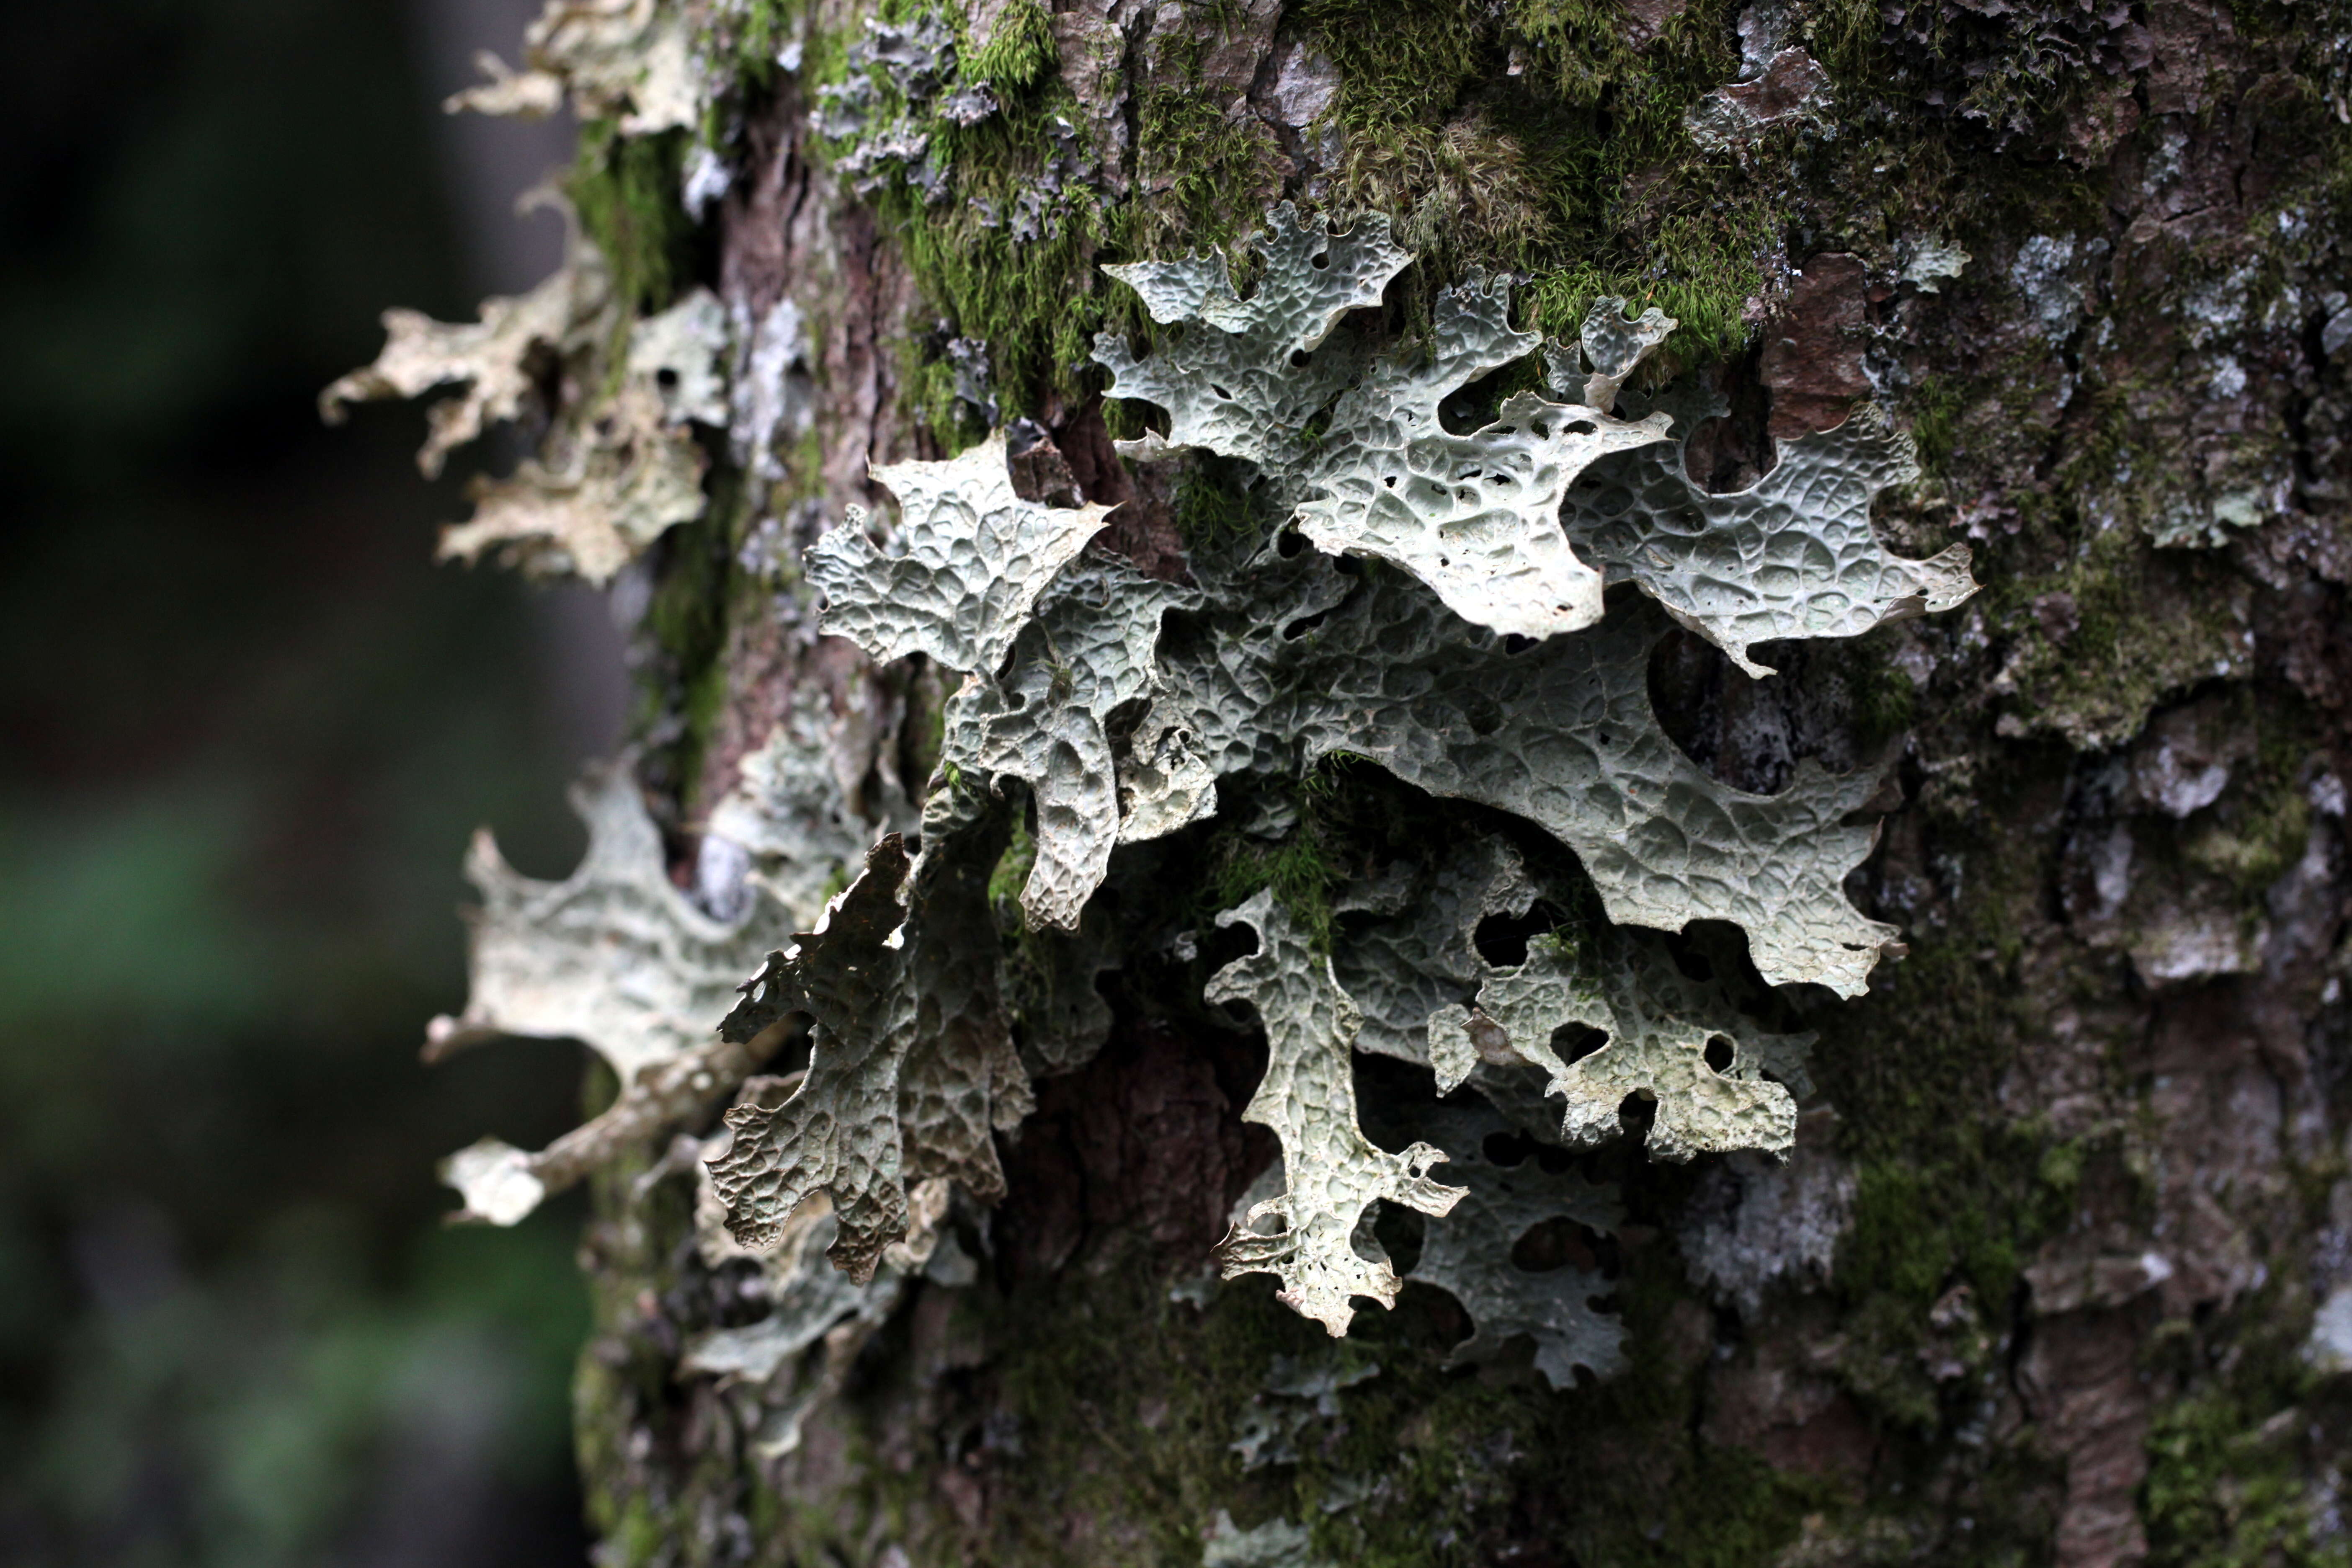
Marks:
<point>1402,1232</point>
<point>1558,1243</point>
<point>1690,962</point>
<point>1571,1043</point>
<point>1507,1149</point>
<point>1322,261</point>
<point>1515,645</point>
<point>1221,391</point>
<point>667,377</point>
<point>1288,543</point>
<point>1220,945</point>
<point>1502,938</point>
<point>1300,359</point>
<point>1583,428</point>
<point>1719,1054</point>
<point>1636,1113</point>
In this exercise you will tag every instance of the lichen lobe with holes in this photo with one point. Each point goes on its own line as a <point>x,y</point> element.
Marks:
<point>1353,438</point>
<point>1331,1173</point>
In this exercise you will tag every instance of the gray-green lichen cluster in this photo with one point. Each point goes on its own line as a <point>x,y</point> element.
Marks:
<point>1443,566</point>
<point>1450,624</point>
<point>1472,655</point>
<point>1288,658</point>
<point>618,465</point>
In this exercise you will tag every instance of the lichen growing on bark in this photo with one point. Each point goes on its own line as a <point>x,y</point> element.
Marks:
<point>614,956</point>
<point>1794,555</point>
<point>1331,1174</point>
<point>2104,323</point>
<point>911,1068</point>
<point>1469,1252</point>
<point>1561,733</point>
<point>1353,439</point>
<point>616,464</point>
<point>1664,1031</point>
<point>973,558</point>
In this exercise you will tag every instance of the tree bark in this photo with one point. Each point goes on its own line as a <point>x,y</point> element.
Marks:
<point>2039,1283</point>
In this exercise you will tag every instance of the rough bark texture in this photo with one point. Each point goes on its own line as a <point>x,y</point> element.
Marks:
<point>2040,1281</point>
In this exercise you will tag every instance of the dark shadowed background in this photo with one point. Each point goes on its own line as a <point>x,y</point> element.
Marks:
<point>245,725</point>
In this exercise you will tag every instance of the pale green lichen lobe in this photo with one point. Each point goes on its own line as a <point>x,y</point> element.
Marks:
<point>1792,555</point>
<point>1354,440</point>
<point>1331,1172</point>
<point>973,558</point>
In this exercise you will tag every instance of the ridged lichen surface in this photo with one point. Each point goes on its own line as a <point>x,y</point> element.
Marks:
<point>1322,779</point>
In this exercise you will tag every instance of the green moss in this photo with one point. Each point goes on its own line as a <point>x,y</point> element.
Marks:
<point>929,385</point>
<point>1340,801</point>
<point>1949,1193</point>
<point>1194,160</point>
<point>1880,695</point>
<point>1036,301</point>
<point>1922,1229</point>
<point>1913,1063</point>
<point>2227,1484</point>
<point>687,620</point>
<point>625,190</point>
<point>2257,830</point>
<point>2147,623</point>
<point>1121,1405</point>
<point>1576,171</point>
<point>1398,64</point>
<point>634,1537</point>
<point>1299,869</point>
<point>1614,1474</point>
<point>1011,873</point>
<point>2224,1492</point>
<point>2061,1169</point>
<point>1213,511</point>
<point>1887,1248</point>
<point>1019,53</point>
<point>1704,276</point>
<point>1844,35</point>
<point>760,35</point>
<point>2257,850</point>
<point>1934,407</point>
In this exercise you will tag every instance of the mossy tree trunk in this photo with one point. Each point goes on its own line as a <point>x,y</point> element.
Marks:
<point>2040,1280</point>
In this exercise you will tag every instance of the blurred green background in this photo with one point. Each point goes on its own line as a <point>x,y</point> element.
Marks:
<point>245,725</point>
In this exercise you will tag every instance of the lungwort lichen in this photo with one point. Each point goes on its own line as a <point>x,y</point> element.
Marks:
<point>1425,594</point>
<point>616,465</point>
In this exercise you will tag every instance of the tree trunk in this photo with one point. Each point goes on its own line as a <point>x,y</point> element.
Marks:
<point>2049,1275</point>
